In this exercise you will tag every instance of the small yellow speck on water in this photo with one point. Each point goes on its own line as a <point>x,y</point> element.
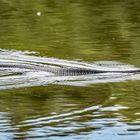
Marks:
<point>38,13</point>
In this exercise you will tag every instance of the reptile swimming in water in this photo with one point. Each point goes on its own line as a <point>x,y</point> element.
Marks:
<point>61,71</point>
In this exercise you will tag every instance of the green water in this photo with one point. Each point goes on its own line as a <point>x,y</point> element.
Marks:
<point>91,30</point>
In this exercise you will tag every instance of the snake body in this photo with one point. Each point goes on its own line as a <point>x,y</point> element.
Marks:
<point>60,71</point>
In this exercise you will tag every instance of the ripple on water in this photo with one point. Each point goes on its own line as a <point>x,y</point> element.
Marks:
<point>14,77</point>
<point>72,122</point>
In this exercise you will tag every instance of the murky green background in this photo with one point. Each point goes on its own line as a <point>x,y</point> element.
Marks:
<point>91,30</point>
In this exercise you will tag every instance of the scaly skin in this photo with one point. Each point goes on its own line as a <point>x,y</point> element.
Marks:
<point>63,71</point>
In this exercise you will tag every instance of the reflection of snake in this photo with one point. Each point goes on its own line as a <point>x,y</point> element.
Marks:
<point>63,71</point>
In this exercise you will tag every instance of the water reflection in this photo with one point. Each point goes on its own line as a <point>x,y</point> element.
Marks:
<point>53,110</point>
<point>91,30</point>
<point>70,112</point>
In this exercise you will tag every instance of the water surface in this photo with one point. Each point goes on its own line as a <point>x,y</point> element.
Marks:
<point>86,31</point>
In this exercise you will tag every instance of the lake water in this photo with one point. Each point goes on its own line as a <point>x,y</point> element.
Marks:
<point>80,32</point>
